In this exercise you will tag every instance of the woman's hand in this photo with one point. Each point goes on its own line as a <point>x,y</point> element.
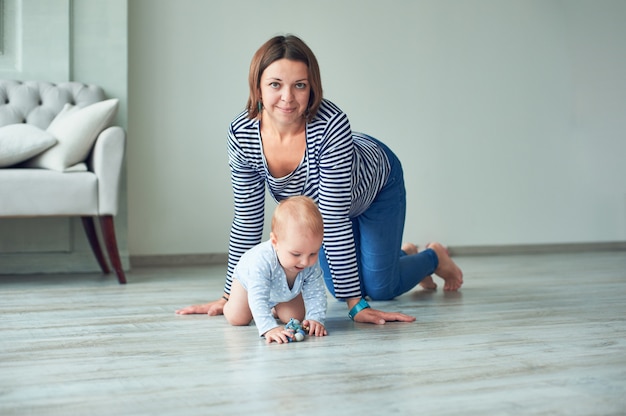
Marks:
<point>212,308</point>
<point>316,329</point>
<point>374,316</point>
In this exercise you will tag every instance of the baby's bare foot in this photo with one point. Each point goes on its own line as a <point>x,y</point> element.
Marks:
<point>447,269</point>
<point>428,282</point>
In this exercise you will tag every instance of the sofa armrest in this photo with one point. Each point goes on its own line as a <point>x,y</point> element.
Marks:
<point>106,162</point>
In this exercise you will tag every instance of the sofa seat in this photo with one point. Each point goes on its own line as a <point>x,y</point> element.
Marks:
<point>48,193</point>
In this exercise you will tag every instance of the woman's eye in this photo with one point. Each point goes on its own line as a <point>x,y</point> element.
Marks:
<point>274,84</point>
<point>300,85</point>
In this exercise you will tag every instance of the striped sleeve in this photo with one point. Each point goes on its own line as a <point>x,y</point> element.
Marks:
<point>335,163</point>
<point>248,184</point>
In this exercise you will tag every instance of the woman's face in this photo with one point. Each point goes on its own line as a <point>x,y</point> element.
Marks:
<point>285,92</point>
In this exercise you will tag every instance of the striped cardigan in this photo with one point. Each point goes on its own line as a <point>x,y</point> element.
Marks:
<point>342,171</point>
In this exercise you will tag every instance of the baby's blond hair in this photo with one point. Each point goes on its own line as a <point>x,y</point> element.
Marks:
<point>302,210</point>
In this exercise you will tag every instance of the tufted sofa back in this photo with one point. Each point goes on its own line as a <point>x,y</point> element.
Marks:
<point>38,102</point>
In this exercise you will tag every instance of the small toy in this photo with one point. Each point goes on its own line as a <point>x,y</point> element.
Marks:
<point>297,329</point>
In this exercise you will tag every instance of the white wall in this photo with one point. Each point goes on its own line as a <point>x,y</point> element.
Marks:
<point>509,116</point>
<point>100,56</point>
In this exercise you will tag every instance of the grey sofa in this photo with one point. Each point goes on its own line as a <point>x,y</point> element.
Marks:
<point>60,156</point>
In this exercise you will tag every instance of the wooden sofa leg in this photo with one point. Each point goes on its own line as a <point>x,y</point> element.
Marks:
<point>108,233</point>
<point>92,236</point>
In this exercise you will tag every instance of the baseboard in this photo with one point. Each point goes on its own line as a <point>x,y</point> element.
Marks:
<point>222,258</point>
<point>53,263</point>
<point>179,260</point>
<point>537,248</point>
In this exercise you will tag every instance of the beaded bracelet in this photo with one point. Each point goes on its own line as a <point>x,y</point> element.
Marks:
<point>358,308</point>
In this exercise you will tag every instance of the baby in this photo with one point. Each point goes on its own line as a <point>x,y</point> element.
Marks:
<point>282,277</point>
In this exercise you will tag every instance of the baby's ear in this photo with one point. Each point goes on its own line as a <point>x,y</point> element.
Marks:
<point>273,238</point>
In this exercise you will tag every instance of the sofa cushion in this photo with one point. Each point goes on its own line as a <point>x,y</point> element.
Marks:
<point>47,192</point>
<point>19,142</point>
<point>76,129</point>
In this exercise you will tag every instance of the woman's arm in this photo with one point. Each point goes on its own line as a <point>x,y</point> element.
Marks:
<point>336,161</point>
<point>248,185</point>
<point>335,164</point>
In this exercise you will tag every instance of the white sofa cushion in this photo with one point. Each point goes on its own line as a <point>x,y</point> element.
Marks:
<point>76,129</point>
<point>44,192</point>
<point>19,142</point>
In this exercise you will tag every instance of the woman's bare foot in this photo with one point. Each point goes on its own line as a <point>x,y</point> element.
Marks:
<point>427,244</point>
<point>409,248</point>
<point>212,308</point>
<point>447,269</point>
<point>427,282</point>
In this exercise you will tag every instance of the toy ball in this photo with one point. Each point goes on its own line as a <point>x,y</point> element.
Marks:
<point>298,332</point>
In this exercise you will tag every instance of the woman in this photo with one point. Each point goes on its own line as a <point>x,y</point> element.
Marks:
<point>295,142</point>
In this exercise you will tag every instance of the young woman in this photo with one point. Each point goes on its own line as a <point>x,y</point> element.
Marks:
<point>295,142</point>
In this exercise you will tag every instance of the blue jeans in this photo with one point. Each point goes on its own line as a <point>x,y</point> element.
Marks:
<point>385,271</point>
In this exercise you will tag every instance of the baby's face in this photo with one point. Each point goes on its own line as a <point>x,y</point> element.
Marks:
<point>297,249</point>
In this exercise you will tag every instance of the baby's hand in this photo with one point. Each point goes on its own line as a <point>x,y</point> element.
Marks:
<point>316,329</point>
<point>279,335</point>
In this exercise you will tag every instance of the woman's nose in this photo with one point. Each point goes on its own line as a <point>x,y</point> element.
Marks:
<point>287,95</point>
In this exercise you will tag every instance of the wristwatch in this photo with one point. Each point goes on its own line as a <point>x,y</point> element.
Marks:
<point>358,308</point>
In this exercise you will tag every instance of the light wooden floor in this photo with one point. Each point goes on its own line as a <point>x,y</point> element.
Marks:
<point>527,335</point>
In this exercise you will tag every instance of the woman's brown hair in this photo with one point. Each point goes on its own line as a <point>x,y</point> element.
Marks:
<point>284,47</point>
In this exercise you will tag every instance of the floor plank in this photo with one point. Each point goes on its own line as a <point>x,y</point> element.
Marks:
<point>528,334</point>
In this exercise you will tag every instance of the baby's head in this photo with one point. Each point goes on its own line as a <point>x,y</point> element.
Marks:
<point>298,213</point>
<point>297,232</point>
